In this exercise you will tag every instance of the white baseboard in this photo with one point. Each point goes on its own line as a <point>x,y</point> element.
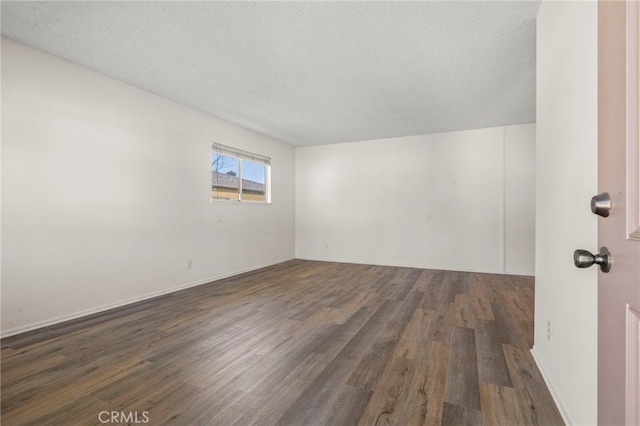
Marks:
<point>554,394</point>
<point>84,313</point>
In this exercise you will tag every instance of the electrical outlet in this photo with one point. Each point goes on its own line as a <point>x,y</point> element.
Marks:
<point>549,331</point>
<point>189,264</point>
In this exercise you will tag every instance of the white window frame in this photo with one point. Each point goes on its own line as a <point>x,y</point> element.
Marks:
<point>240,155</point>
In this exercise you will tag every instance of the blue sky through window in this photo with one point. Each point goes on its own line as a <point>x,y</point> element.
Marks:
<point>224,164</point>
<point>250,170</point>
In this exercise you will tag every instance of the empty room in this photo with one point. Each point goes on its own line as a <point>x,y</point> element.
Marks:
<point>320,213</point>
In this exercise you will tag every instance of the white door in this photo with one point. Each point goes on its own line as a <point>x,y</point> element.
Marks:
<point>618,175</point>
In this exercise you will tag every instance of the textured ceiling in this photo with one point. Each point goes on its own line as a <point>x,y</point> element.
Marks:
<point>307,72</point>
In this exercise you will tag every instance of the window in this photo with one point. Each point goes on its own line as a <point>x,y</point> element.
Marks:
<point>239,175</point>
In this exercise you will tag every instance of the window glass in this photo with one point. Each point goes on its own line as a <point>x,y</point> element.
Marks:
<point>239,176</point>
<point>253,181</point>
<point>224,177</point>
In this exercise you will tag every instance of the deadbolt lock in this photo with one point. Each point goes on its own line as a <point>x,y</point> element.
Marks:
<point>601,204</point>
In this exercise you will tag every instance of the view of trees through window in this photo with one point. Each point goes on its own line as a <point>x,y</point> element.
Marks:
<point>235,178</point>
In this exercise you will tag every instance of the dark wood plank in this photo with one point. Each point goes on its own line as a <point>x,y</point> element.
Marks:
<point>272,370</point>
<point>432,287</point>
<point>454,415</point>
<point>461,311</point>
<point>318,397</point>
<point>507,328</point>
<point>401,284</point>
<point>463,388</point>
<point>391,393</point>
<point>375,358</point>
<point>492,366</point>
<point>284,393</point>
<point>347,406</point>
<point>500,405</point>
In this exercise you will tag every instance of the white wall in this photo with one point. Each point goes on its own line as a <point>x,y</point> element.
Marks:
<point>106,194</point>
<point>566,180</point>
<point>520,200</point>
<point>459,201</point>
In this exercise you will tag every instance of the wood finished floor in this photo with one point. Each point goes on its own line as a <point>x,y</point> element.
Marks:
<point>299,343</point>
